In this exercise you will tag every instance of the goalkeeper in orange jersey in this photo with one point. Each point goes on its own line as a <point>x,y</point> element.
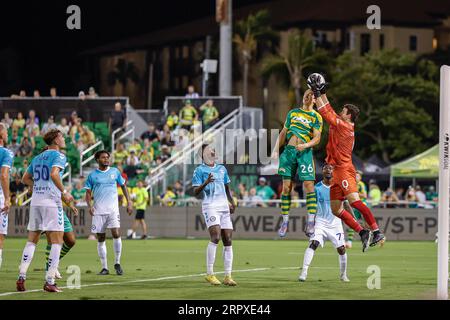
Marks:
<point>341,139</point>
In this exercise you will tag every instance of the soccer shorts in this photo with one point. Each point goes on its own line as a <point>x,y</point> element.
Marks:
<point>3,218</point>
<point>107,221</point>
<point>46,219</point>
<point>292,160</point>
<point>333,233</point>
<point>344,183</point>
<point>140,214</point>
<point>67,224</point>
<point>217,216</point>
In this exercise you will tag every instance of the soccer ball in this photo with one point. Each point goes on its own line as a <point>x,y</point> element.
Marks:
<point>317,79</point>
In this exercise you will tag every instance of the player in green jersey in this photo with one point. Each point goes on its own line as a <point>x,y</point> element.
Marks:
<point>302,130</point>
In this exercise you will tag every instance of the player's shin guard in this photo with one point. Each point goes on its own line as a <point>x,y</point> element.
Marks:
<point>350,221</point>
<point>53,263</point>
<point>117,243</point>
<point>285,206</point>
<point>228,259</point>
<point>101,249</point>
<point>366,213</point>
<point>27,257</point>
<point>210,257</point>
<point>311,203</point>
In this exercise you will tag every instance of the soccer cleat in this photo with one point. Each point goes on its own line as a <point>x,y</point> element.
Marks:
<point>303,275</point>
<point>103,272</point>
<point>20,284</point>
<point>143,237</point>
<point>378,237</point>
<point>283,229</point>
<point>228,281</point>
<point>344,278</point>
<point>348,245</point>
<point>212,279</point>
<point>51,287</point>
<point>365,239</point>
<point>118,269</point>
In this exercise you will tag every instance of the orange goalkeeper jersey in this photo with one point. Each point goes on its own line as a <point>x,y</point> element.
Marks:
<point>341,138</point>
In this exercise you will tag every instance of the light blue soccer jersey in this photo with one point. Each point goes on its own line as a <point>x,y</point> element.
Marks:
<point>214,193</point>
<point>324,213</point>
<point>6,160</point>
<point>45,193</point>
<point>103,185</point>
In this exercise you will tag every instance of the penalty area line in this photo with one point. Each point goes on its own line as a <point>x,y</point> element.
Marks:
<point>135,281</point>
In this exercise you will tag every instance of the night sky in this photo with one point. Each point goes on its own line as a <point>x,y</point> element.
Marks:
<point>45,52</point>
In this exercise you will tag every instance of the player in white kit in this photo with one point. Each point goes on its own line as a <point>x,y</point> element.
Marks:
<point>44,175</point>
<point>101,187</point>
<point>6,162</point>
<point>213,181</point>
<point>326,227</point>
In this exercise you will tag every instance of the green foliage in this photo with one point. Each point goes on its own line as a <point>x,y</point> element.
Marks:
<point>398,97</point>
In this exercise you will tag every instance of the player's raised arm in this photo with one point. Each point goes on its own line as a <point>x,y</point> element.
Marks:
<point>318,85</point>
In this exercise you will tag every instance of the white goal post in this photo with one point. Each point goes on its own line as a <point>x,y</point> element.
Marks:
<point>444,180</point>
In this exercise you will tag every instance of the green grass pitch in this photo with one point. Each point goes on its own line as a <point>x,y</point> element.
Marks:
<point>264,269</point>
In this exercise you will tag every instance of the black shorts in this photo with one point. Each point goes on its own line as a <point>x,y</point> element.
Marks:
<point>140,214</point>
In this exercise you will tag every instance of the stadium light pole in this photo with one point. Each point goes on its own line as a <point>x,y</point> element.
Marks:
<point>444,184</point>
<point>225,58</point>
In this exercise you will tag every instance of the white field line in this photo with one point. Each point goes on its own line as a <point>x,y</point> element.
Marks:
<point>135,281</point>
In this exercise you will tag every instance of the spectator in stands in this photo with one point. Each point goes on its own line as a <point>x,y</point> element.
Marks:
<point>132,158</point>
<point>136,146</point>
<point>32,129</point>
<point>22,94</point>
<point>25,149</point>
<point>150,134</point>
<point>399,192</point>
<point>78,194</point>
<point>19,122</point>
<point>53,93</point>
<point>209,114</point>
<point>118,118</point>
<point>188,114</point>
<point>253,200</point>
<point>421,197</point>
<point>92,94</point>
<point>165,152</point>
<point>36,94</point>
<point>16,186</point>
<point>166,136</point>
<point>431,194</point>
<point>63,127</point>
<point>167,198</point>
<point>191,92</point>
<point>391,197</point>
<point>87,136</point>
<point>119,154</point>
<point>32,118</point>
<point>49,125</point>
<point>265,191</point>
<point>7,121</point>
<point>172,120</point>
<point>14,146</point>
<point>374,193</point>
<point>242,191</point>
<point>132,169</point>
<point>146,157</point>
<point>75,130</point>
<point>73,119</point>
<point>81,95</point>
<point>411,197</point>
<point>178,189</point>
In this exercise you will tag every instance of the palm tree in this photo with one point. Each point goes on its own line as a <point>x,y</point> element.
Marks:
<point>301,54</point>
<point>253,33</point>
<point>122,72</point>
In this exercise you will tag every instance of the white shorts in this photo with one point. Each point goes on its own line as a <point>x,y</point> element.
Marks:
<point>46,219</point>
<point>323,232</point>
<point>3,218</point>
<point>102,222</point>
<point>214,217</point>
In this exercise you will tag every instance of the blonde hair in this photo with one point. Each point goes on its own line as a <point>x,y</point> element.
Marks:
<point>308,97</point>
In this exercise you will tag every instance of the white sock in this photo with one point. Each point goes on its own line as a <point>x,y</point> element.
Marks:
<point>53,262</point>
<point>101,249</point>
<point>117,243</point>
<point>285,217</point>
<point>1,250</point>
<point>27,257</point>
<point>343,264</point>
<point>309,254</point>
<point>228,259</point>
<point>210,257</point>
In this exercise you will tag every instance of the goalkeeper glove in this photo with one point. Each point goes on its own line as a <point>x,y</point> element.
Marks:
<point>316,82</point>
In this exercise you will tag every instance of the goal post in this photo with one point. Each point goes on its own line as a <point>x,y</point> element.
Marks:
<point>444,180</point>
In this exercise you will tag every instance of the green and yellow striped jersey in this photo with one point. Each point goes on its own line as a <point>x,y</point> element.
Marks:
<point>301,123</point>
